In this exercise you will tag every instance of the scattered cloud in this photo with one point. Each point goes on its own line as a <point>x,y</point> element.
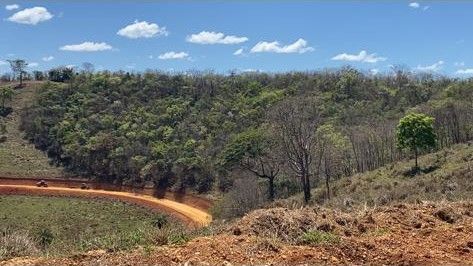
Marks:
<point>12,7</point>
<point>71,66</point>
<point>299,46</point>
<point>459,64</point>
<point>31,16</point>
<point>374,71</point>
<point>416,5</point>
<point>363,57</point>
<point>87,47</point>
<point>150,56</point>
<point>47,58</point>
<point>210,37</point>
<point>142,29</point>
<point>3,63</point>
<point>251,70</point>
<point>466,71</point>
<point>173,55</point>
<point>432,68</point>
<point>33,64</point>
<point>238,52</point>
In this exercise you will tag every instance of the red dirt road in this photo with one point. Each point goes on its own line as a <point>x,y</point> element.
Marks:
<point>192,216</point>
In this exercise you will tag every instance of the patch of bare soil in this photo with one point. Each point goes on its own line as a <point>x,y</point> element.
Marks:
<point>420,234</point>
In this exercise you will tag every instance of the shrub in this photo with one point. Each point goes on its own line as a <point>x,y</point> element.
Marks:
<point>315,237</point>
<point>160,221</point>
<point>178,238</point>
<point>245,195</point>
<point>45,237</point>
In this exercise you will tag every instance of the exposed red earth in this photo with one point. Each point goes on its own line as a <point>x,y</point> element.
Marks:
<point>191,210</point>
<point>405,234</point>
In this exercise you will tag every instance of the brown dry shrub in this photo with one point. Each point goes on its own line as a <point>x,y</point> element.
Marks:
<point>290,225</point>
<point>16,244</point>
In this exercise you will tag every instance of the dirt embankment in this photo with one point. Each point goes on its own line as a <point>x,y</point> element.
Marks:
<point>188,199</point>
<point>419,234</point>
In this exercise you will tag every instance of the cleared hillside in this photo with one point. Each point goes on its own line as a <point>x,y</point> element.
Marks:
<point>19,157</point>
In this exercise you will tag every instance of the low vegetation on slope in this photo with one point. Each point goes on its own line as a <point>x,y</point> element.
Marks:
<point>444,175</point>
<point>18,157</point>
<point>58,226</point>
<point>197,130</point>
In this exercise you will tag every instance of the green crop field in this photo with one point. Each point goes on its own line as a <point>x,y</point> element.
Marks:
<point>52,225</point>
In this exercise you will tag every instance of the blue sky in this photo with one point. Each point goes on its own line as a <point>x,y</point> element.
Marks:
<point>272,35</point>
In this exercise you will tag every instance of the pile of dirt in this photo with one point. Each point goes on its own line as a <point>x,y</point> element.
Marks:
<point>405,234</point>
<point>289,225</point>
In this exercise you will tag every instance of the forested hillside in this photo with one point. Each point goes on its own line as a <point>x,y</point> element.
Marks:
<point>204,130</point>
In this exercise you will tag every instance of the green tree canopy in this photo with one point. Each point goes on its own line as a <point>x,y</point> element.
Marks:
<point>415,132</point>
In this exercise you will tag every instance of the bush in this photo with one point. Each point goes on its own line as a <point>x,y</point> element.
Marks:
<point>245,195</point>
<point>315,237</point>
<point>178,238</point>
<point>160,221</point>
<point>16,244</point>
<point>45,237</point>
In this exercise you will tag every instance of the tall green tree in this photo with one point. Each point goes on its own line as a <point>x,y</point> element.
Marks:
<point>18,67</point>
<point>415,132</point>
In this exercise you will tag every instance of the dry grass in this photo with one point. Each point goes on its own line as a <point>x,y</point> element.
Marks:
<point>16,244</point>
<point>320,225</point>
<point>445,175</point>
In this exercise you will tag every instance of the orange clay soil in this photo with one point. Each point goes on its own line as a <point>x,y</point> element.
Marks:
<point>191,216</point>
<point>405,234</point>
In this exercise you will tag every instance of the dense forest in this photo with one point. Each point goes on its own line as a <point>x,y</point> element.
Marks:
<point>202,131</point>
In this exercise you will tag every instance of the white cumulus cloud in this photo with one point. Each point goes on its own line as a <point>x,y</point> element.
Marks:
<point>33,64</point>
<point>12,7</point>
<point>173,55</point>
<point>432,68</point>
<point>362,56</point>
<point>414,5</point>
<point>210,37</point>
<point>299,46</point>
<point>87,47</point>
<point>238,52</point>
<point>3,63</point>
<point>466,71</point>
<point>31,16</point>
<point>142,29</point>
<point>47,58</point>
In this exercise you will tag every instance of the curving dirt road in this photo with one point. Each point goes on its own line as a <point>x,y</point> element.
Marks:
<point>191,216</point>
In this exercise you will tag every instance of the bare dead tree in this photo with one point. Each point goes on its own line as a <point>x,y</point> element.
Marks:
<point>295,123</point>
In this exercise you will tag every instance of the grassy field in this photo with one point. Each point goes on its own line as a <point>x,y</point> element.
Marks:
<point>445,175</point>
<point>60,226</point>
<point>18,157</point>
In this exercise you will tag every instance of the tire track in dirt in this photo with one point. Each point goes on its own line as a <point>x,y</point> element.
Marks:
<point>190,216</point>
